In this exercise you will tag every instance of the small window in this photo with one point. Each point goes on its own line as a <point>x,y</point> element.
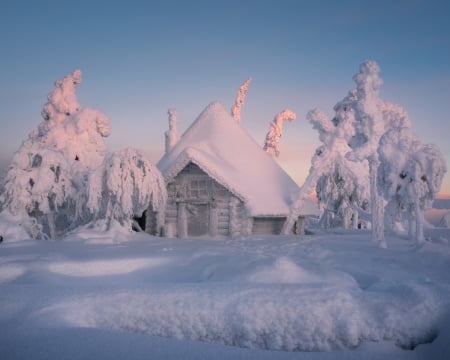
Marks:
<point>198,189</point>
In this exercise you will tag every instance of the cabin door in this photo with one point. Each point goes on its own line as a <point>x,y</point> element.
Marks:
<point>198,219</point>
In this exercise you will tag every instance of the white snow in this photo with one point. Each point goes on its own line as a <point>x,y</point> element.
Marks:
<point>329,296</point>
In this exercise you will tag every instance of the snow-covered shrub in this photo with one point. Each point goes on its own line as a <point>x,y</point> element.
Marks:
<point>272,142</point>
<point>124,186</point>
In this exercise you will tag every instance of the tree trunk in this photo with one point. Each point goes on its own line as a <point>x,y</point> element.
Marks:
<point>376,203</point>
<point>355,217</point>
<point>411,223</point>
<point>51,225</point>
<point>294,213</point>
<point>420,239</point>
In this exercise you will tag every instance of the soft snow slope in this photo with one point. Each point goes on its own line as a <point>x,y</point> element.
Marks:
<point>331,296</point>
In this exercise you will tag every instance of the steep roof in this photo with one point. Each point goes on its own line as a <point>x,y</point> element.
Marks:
<point>220,146</point>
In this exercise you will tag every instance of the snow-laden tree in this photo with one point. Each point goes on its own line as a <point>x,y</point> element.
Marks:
<point>172,135</point>
<point>410,177</point>
<point>51,166</point>
<point>341,185</point>
<point>369,127</point>
<point>240,98</point>
<point>123,187</point>
<point>273,137</point>
<point>62,101</point>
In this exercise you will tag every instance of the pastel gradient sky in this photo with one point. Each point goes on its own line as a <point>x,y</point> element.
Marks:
<point>140,58</point>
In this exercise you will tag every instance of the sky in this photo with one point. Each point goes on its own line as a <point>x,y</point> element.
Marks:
<point>140,58</point>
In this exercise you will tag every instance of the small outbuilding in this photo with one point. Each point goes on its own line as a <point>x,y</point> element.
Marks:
<point>220,182</point>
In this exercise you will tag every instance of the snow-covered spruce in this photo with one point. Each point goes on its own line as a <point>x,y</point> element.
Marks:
<point>50,167</point>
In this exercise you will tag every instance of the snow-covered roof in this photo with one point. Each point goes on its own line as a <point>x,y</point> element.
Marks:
<point>220,146</point>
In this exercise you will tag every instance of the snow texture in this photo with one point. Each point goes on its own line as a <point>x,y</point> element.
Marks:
<point>330,296</point>
<point>273,137</point>
<point>246,170</point>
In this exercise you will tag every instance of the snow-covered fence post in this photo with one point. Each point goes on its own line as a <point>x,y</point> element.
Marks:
<point>240,97</point>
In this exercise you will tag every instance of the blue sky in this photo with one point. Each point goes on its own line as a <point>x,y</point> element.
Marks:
<point>140,58</point>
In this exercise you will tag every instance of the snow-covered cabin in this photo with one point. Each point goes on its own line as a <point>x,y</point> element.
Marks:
<point>220,182</point>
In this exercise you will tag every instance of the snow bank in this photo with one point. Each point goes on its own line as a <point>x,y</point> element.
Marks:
<point>313,318</point>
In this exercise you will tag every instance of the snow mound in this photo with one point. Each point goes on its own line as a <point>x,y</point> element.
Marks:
<point>278,318</point>
<point>285,271</point>
<point>104,267</point>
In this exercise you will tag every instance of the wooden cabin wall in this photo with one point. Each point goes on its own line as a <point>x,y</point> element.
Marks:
<point>192,190</point>
<point>268,225</point>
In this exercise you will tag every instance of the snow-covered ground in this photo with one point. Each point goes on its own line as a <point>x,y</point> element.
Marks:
<point>324,296</point>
